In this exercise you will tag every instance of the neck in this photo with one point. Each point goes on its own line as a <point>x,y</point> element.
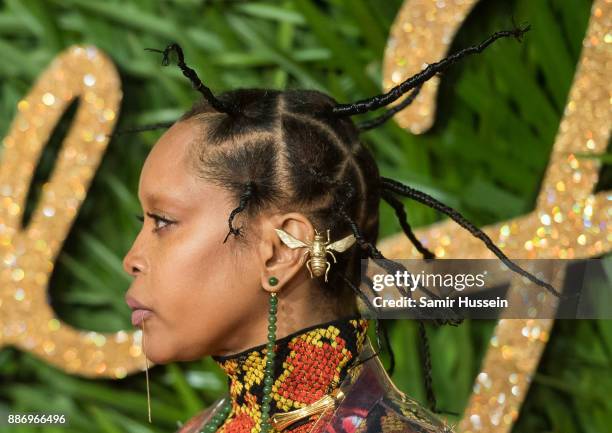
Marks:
<point>309,364</point>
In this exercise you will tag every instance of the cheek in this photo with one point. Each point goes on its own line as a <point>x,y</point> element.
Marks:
<point>202,290</point>
<point>189,272</point>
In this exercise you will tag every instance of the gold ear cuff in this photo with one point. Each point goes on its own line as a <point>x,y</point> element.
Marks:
<point>318,249</point>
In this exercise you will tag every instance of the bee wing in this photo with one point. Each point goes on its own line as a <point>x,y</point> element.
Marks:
<point>342,244</point>
<point>289,240</point>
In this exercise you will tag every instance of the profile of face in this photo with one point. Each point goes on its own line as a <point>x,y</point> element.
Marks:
<point>204,296</point>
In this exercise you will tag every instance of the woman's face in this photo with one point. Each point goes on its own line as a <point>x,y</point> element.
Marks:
<point>198,288</point>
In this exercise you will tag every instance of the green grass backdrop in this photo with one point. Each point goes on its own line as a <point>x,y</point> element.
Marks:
<point>486,154</point>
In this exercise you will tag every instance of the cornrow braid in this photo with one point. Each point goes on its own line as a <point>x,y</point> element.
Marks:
<point>418,79</point>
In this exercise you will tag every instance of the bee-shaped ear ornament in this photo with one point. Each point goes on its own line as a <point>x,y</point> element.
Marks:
<point>319,248</point>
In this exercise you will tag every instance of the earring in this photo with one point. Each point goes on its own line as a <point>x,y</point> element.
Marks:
<point>317,250</point>
<point>269,369</point>
<point>273,281</point>
<point>223,412</point>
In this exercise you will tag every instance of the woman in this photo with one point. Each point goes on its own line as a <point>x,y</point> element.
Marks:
<point>278,168</point>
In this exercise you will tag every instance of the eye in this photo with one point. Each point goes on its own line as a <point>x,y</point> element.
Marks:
<point>157,219</point>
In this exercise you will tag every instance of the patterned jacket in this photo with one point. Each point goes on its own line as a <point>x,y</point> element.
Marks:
<point>371,404</point>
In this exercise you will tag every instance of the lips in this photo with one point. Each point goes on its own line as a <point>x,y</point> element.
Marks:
<point>140,311</point>
<point>139,315</point>
<point>135,304</point>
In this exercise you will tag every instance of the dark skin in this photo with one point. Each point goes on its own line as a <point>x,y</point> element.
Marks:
<point>207,297</point>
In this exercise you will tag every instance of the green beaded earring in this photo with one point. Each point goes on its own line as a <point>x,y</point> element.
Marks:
<point>269,370</point>
<point>223,412</point>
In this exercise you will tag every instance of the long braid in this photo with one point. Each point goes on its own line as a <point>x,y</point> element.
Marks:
<point>342,203</point>
<point>389,265</point>
<point>369,305</point>
<point>389,347</point>
<point>381,326</point>
<point>403,220</point>
<point>197,84</point>
<point>374,252</point>
<point>395,93</point>
<point>426,357</point>
<point>193,77</point>
<point>424,340</point>
<point>424,344</point>
<point>399,188</point>
<point>377,121</point>
<point>413,83</point>
<point>149,127</point>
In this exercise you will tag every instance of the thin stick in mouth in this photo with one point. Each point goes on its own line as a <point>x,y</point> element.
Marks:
<point>146,369</point>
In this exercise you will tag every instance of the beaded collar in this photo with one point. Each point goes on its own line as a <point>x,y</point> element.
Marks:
<point>309,364</point>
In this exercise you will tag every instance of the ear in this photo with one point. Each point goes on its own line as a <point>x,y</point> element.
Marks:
<point>275,258</point>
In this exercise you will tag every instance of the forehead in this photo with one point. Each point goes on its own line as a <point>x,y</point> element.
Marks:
<point>166,176</point>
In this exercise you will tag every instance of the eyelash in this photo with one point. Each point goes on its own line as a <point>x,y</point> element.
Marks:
<point>157,218</point>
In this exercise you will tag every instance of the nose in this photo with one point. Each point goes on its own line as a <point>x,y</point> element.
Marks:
<point>132,263</point>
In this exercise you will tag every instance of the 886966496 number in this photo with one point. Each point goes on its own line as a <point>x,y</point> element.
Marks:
<point>35,418</point>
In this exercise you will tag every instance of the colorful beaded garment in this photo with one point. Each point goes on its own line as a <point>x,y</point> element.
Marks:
<point>309,364</point>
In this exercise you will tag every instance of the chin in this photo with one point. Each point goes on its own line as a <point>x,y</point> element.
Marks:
<point>165,355</point>
<point>161,356</point>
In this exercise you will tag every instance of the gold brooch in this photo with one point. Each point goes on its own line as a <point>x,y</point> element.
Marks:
<point>318,250</point>
<point>280,421</point>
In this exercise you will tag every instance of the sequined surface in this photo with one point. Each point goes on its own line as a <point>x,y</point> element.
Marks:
<point>28,254</point>
<point>569,221</point>
<point>421,34</point>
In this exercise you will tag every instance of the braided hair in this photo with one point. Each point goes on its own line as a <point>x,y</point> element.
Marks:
<point>299,149</point>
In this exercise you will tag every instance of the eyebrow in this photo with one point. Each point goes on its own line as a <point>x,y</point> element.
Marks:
<point>156,198</point>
